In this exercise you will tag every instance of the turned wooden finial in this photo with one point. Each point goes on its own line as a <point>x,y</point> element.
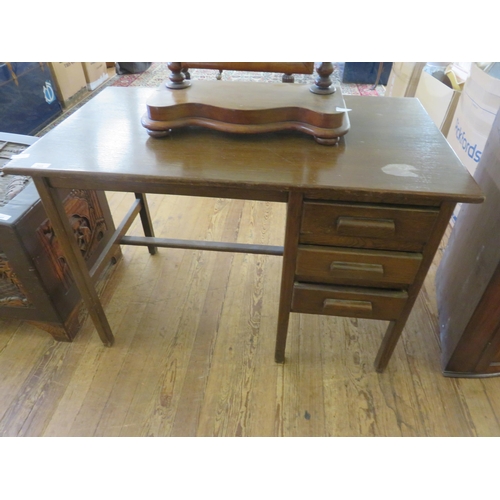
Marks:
<point>323,84</point>
<point>176,79</point>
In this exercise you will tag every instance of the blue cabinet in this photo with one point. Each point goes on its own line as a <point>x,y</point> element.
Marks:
<point>28,101</point>
<point>366,72</point>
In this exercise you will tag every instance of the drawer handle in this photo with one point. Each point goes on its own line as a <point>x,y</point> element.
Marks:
<point>348,306</point>
<point>373,270</point>
<point>355,226</point>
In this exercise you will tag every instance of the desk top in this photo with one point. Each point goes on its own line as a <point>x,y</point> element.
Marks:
<point>393,150</point>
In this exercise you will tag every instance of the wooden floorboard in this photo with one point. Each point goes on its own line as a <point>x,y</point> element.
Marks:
<point>194,351</point>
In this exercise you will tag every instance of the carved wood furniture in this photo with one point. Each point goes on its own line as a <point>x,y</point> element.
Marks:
<point>468,278</point>
<point>249,107</point>
<point>364,219</point>
<point>35,281</point>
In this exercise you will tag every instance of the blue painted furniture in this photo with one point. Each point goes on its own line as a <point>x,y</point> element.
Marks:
<point>366,72</point>
<point>28,101</point>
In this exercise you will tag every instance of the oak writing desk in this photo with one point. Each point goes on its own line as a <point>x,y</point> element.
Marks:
<point>364,218</point>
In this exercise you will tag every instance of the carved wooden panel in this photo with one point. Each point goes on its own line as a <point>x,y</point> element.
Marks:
<point>87,220</point>
<point>12,293</point>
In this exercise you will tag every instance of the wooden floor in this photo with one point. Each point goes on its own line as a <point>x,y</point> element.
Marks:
<point>194,351</point>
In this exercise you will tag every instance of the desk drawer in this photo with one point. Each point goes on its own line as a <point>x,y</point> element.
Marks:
<point>348,301</point>
<point>356,267</point>
<point>367,226</point>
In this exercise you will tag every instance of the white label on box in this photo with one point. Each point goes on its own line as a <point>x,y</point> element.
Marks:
<point>5,217</point>
<point>19,156</point>
<point>40,165</point>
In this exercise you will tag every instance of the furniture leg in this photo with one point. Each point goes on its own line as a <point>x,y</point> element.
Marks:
<point>64,331</point>
<point>389,342</point>
<point>147,225</point>
<point>292,231</point>
<point>379,74</point>
<point>395,328</point>
<point>323,83</point>
<point>62,228</point>
<point>176,79</point>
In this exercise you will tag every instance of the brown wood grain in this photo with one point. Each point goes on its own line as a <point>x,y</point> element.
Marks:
<point>365,225</point>
<point>277,67</point>
<point>395,327</point>
<point>293,217</point>
<point>58,217</point>
<point>347,265</point>
<point>247,108</point>
<point>280,167</point>
<point>369,303</point>
<point>383,131</point>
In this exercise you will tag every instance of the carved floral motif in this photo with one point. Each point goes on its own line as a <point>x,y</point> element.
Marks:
<point>12,293</point>
<point>87,220</point>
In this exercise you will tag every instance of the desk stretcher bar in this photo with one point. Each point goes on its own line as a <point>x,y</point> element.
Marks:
<point>153,242</point>
<point>202,245</point>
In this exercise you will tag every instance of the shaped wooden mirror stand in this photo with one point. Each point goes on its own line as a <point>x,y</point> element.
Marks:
<point>249,107</point>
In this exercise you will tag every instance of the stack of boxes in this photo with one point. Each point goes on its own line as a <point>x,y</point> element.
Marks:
<point>75,78</point>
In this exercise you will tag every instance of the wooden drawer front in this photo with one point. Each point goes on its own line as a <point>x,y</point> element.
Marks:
<point>346,301</point>
<point>356,267</point>
<point>366,226</point>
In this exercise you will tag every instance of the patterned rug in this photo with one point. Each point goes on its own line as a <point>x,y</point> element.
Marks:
<point>158,72</point>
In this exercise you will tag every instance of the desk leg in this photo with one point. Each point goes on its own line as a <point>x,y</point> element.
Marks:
<point>389,342</point>
<point>395,328</point>
<point>147,225</point>
<point>379,74</point>
<point>62,228</point>
<point>293,217</point>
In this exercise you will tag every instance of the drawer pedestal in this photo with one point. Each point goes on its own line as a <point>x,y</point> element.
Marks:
<point>358,260</point>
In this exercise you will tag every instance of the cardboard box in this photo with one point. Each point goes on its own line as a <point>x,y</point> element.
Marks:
<point>439,100</point>
<point>96,73</point>
<point>404,78</point>
<point>473,119</point>
<point>474,116</point>
<point>69,79</point>
<point>468,277</point>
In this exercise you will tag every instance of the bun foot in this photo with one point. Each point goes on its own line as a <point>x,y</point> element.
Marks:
<point>158,134</point>
<point>327,142</point>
